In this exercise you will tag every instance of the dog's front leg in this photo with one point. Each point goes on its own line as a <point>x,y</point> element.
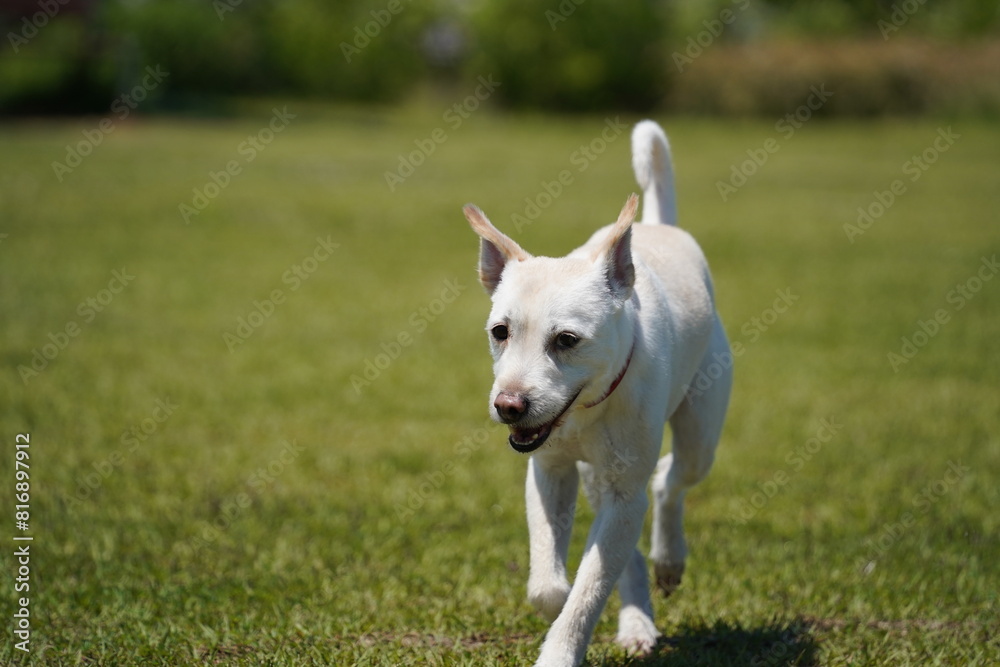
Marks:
<point>612,542</point>
<point>550,496</point>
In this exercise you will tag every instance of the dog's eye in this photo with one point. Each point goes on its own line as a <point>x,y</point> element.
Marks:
<point>566,341</point>
<point>499,333</point>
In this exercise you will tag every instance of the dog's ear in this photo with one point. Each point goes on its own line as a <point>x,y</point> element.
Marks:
<point>495,248</point>
<point>616,252</point>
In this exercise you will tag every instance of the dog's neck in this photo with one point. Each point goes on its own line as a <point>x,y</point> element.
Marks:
<point>617,380</point>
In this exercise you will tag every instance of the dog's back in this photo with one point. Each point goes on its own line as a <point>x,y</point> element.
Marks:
<point>672,275</point>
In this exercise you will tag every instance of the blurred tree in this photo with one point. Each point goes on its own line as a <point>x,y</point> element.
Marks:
<point>366,50</point>
<point>572,54</point>
<point>54,57</point>
<point>77,56</point>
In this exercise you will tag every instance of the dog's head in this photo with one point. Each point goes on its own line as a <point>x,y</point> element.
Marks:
<point>556,329</point>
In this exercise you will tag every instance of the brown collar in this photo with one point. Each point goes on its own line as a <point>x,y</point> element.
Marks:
<point>617,381</point>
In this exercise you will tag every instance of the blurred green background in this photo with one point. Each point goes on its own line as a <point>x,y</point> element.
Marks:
<point>239,319</point>
<point>901,57</point>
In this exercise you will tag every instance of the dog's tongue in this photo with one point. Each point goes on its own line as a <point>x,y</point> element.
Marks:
<point>524,436</point>
<point>528,439</point>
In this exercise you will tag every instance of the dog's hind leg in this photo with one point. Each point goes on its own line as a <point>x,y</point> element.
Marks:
<point>636,630</point>
<point>696,425</point>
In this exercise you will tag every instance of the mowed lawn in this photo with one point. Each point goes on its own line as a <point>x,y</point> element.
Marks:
<point>258,426</point>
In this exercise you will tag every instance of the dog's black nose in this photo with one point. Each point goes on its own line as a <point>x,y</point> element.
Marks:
<point>510,407</point>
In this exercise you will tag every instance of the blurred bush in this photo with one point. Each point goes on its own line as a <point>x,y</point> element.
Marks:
<point>50,60</point>
<point>865,77</point>
<point>753,56</point>
<point>572,54</point>
<point>366,51</point>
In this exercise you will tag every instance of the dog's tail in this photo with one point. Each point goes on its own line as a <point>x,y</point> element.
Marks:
<point>655,174</point>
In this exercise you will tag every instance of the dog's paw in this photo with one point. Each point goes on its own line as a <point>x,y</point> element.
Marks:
<point>668,577</point>
<point>636,632</point>
<point>549,599</point>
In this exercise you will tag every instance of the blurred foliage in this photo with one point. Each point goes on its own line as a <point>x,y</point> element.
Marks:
<point>75,56</point>
<point>864,77</point>
<point>564,55</point>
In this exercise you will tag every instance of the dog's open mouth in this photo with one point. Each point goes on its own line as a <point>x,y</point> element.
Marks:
<point>527,440</point>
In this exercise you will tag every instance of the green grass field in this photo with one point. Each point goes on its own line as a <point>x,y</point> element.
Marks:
<point>259,435</point>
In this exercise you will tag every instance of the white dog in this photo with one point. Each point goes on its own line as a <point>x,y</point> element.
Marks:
<point>593,353</point>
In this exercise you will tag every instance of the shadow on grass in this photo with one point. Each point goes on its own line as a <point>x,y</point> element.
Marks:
<point>727,645</point>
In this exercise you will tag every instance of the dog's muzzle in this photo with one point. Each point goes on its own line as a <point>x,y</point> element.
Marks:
<point>512,409</point>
